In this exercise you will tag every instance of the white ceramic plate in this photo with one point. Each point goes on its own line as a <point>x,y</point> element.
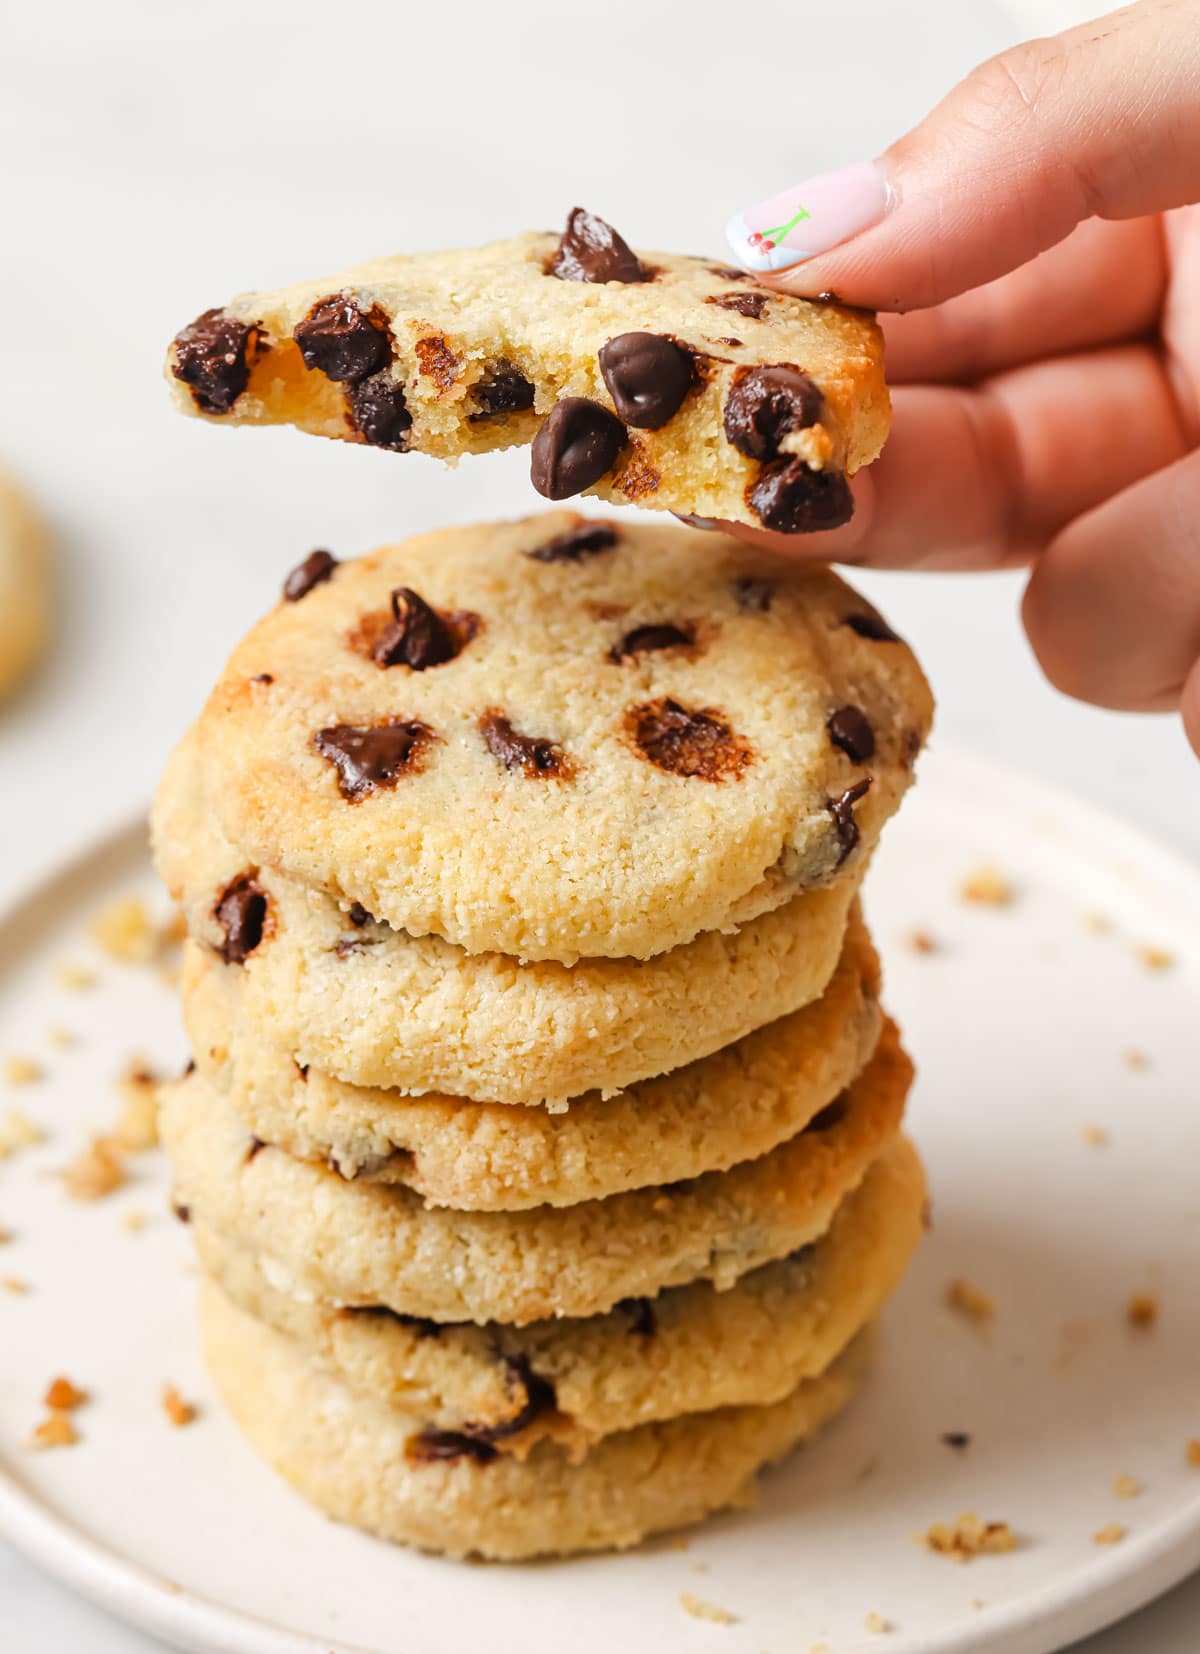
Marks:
<point>1022,1021</point>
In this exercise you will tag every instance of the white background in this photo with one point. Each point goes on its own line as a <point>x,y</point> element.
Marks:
<point>159,156</point>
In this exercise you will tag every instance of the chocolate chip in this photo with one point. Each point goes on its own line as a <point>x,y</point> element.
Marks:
<point>728,339</point>
<point>315,568</point>
<point>827,297</point>
<point>506,390</point>
<point>189,1067</point>
<point>182,1213</point>
<point>419,1325</point>
<point>647,376</point>
<point>371,757</point>
<point>438,361</point>
<point>576,545</point>
<point>753,593</point>
<point>445,1446</point>
<point>765,404</point>
<point>358,915</point>
<point>343,341</point>
<point>842,811</point>
<point>575,446</point>
<point>256,1147</point>
<point>848,728</point>
<point>417,636</point>
<point>958,1439</point>
<point>792,499</point>
<point>831,1115</point>
<point>534,756</point>
<point>265,678</point>
<point>753,305</point>
<point>212,358</point>
<point>346,945</point>
<point>644,640</point>
<point>241,912</point>
<point>726,272</point>
<point>379,413</point>
<point>540,1398</point>
<point>643,1321</point>
<point>591,250</point>
<point>873,626</point>
<point>685,742</point>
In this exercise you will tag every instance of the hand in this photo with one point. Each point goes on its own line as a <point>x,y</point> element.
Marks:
<point>1034,239</point>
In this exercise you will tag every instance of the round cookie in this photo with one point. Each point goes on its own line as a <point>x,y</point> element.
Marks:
<point>690,1350</point>
<point>735,1105</point>
<point>559,753</point>
<point>24,585</point>
<point>377,1007</point>
<point>371,1244</point>
<point>362,1462</point>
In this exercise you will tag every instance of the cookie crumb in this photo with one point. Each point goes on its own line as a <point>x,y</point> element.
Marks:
<point>877,1624</point>
<point>1142,1310</point>
<point>6,1235</point>
<point>14,1285</point>
<point>23,1070</point>
<point>55,1430</point>
<point>1099,924</point>
<point>133,1222</point>
<point>61,1038</point>
<point>1192,1453</point>
<point>1133,1058</point>
<point>988,887</point>
<point>63,1397</point>
<point>179,1411</point>
<point>967,1537</point>
<point>680,1542</point>
<point>701,1610</point>
<point>17,1132</point>
<point>1111,1534</point>
<point>1153,958</point>
<point>123,929</point>
<point>970,1302</point>
<point>137,1126</point>
<point>920,941</point>
<point>76,978</point>
<point>96,1173</point>
<point>1095,1137</point>
<point>1126,1487</point>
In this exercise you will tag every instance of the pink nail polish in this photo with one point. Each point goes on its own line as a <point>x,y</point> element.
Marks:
<point>810,218</point>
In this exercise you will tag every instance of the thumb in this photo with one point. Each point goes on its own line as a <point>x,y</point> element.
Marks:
<point>1101,120</point>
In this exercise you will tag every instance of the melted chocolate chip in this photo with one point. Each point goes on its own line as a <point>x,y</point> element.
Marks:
<point>687,742</point>
<point>753,593</point>
<point>241,912</point>
<point>827,297</point>
<point>316,567</point>
<point>647,376</point>
<point>578,544</point>
<point>417,637</point>
<point>534,756</point>
<point>643,1321</point>
<point>445,1446</point>
<point>726,272</point>
<point>645,640</point>
<point>340,339</point>
<point>831,1115</point>
<point>358,915</point>
<point>182,1213</point>
<point>189,1067</point>
<point>842,811</point>
<point>591,250</point>
<point>539,1398</point>
<point>256,1147</point>
<point>506,390</point>
<point>265,678</point>
<point>574,447</point>
<point>752,305</point>
<point>379,413</point>
<point>792,499</point>
<point>849,729</point>
<point>765,404</point>
<point>371,757</point>
<point>728,339</point>
<point>212,358</point>
<point>872,626</point>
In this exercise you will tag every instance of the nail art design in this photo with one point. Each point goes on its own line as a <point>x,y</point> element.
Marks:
<point>818,214</point>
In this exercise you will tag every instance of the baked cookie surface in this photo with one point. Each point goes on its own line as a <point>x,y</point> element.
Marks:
<point>377,1007</point>
<point>493,736</point>
<point>374,1245</point>
<point>689,1350</point>
<point>667,382</point>
<point>24,585</point>
<point>360,1461</point>
<point>734,1105</point>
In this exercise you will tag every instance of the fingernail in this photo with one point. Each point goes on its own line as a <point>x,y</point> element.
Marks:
<point>810,218</point>
<point>696,522</point>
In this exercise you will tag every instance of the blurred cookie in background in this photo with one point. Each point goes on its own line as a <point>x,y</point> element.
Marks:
<point>24,585</point>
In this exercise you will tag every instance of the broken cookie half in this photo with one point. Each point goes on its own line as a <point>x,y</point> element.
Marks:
<point>651,379</point>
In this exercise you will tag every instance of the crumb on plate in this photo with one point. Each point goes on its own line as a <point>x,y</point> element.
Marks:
<point>23,1070</point>
<point>61,1038</point>
<point>14,1285</point>
<point>55,1430</point>
<point>1142,1310</point>
<point>137,1125</point>
<point>970,1302</point>
<point>75,977</point>
<point>701,1610</point>
<point>179,1411</point>
<point>920,941</point>
<point>1098,923</point>
<point>967,1537</point>
<point>877,1624</point>
<point>62,1396</point>
<point>123,929</point>
<point>1154,958</point>
<point>1095,1136</point>
<point>1133,1058</point>
<point>17,1132</point>
<point>97,1172</point>
<point>1111,1534</point>
<point>1126,1487</point>
<point>133,1222</point>
<point>988,887</point>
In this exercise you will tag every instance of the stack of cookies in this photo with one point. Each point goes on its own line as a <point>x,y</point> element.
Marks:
<point>543,1146</point>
